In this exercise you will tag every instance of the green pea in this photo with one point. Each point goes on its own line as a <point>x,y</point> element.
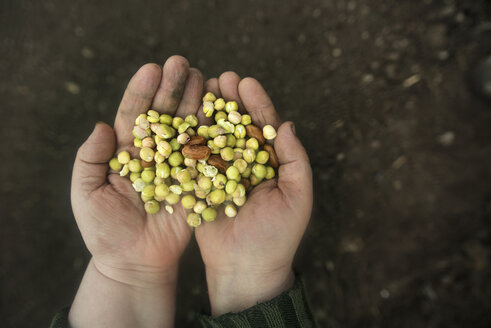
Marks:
<point>176,121</point>
<point>209,214</point>
<point>220,116</point>
<point>246,119</point>
<point>232,173</point>
<point>148,176</point>
<point>194,220</point>
<point>217,196</point>
<point>262,157</point>
<point>227,154</point>
<point>115,165</point>
<point>188,201</point>
<point>135,166</point>
<point>172,198</point>
<point>219,181</point>
<point>192,120</point>
<point>230,210</point>
<point>176,159</point>
<point>174,144</point>
<point>161,190</point>
<point>203,131</point>
<point>231,140</point>
<point>259,171</point>
<point>152,207</point>
<point>124,157</point>
<point>231,186</point>
<point>166,119</point>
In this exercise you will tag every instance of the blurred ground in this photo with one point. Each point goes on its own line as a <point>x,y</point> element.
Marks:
<point>401,152</point>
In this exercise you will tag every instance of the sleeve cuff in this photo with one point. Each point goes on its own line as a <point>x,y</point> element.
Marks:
<point>60,320</point>
<point>289,309</point>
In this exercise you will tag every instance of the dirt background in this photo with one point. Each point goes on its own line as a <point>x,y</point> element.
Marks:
<point>379,91</point>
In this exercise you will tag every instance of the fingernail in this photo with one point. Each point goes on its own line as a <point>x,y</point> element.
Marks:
<point>293,128</point>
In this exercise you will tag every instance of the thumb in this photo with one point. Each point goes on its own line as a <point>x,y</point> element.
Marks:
<point>91,164</point>
<point>295,173</point>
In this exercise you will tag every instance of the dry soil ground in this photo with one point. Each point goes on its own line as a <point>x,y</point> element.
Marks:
<point>399,145</point>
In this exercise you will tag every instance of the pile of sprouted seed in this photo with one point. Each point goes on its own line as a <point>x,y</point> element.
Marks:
<point>203,167</point>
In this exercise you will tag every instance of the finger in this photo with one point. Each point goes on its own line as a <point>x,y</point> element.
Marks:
<point>124,187</point>
<point>191,97</point>
<point>257,103</point>
<point>211,85</point>
<point>91,163</point>
<point>229,87</point>
<point>174,76</point>
<point>136,99</point>
<point>295,173</point>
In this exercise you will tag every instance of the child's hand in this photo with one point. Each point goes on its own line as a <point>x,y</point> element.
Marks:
<point>248,259</point>
<point>127,244</point>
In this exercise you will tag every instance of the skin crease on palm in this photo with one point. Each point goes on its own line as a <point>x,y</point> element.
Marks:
<point>248,259</point>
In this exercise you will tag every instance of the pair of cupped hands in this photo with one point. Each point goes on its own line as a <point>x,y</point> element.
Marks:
<point>132,276</point>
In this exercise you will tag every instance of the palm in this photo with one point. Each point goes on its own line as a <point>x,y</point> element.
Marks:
<point>226,241</point>
<point>131,236</point>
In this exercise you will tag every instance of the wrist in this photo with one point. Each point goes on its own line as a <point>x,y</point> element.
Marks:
<point>137,276</point>
<point>124,298</point>
<point>238,290</point>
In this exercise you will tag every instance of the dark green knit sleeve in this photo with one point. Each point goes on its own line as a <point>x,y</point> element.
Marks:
<point>290,309</point>
<point>60,320</point>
